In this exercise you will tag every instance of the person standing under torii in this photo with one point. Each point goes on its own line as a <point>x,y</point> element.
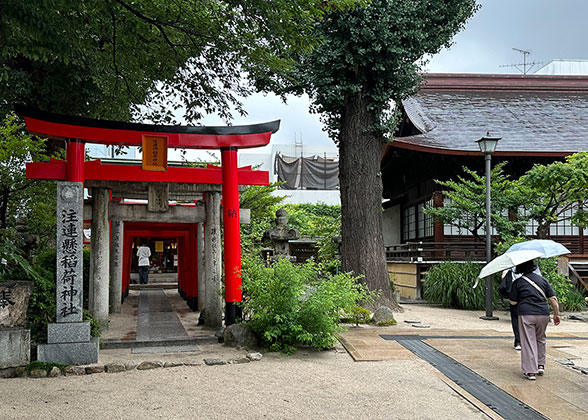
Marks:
<point>143,253</point>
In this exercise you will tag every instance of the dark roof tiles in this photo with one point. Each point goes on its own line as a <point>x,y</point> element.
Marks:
<point>528,121</point>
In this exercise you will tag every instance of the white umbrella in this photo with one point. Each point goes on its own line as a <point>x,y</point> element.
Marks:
<point>509,260</point>
<point>548,247</point>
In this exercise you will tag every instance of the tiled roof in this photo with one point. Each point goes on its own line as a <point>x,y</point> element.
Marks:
<point>532,114</point>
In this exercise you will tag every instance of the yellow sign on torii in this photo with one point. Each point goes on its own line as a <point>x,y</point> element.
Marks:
<point>154,153</point>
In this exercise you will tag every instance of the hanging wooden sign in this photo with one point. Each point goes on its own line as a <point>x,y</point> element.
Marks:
<point>154,153</point>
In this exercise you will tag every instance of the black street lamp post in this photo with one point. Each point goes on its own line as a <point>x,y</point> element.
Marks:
<point>487,146</point>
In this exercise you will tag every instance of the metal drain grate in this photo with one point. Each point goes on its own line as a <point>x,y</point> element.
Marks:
<point>465,337</point>
<point>485,391</point>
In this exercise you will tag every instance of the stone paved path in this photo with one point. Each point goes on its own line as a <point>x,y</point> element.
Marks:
<point>562,393</point>
<point>157,320</point>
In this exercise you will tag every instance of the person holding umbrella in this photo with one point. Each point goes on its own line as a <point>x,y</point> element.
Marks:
<point>508,277</point>
<point>530,293</point>
<point>549,249</point>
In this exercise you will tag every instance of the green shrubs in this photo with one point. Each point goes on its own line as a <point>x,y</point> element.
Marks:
<point>288,305</point>
<point>451,285</point>
<point>575,301</point>
<point>569,298</point>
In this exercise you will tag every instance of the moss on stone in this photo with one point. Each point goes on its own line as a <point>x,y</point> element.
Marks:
<point>386,323</point>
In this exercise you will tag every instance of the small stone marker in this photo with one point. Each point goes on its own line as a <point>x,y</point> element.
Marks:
<point>15,339</point>
<point>412,321</point>
<point>14,301</point>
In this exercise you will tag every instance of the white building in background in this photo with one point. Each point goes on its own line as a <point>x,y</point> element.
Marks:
<point>312,179</point>
<point>565,67</point>
<point>102,151</point>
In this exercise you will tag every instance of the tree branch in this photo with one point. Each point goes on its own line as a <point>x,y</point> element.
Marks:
<point>160,25</point>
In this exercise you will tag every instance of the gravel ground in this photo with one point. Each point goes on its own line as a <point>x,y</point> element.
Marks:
<point>316,385</point>
<point>309,385</point>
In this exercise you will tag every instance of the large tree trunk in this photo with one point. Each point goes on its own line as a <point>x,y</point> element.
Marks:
<point>362,248</point>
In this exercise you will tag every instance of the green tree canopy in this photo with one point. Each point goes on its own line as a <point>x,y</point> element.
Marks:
<point>17,147</point>
<point>27,207</point>
<point>106,58</point>
<point>465,207</point>
<point>557,192</point>
<point>368,59</point>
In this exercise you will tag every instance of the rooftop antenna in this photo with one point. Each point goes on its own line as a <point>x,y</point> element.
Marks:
<point>526,66</point>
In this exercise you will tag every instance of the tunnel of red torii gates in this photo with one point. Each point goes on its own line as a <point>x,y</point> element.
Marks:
<point>195,227</point>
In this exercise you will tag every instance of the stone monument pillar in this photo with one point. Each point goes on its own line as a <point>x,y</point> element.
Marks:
<point>279,236</point>
<point>15,339</point>
<point>116,266</point>
<point>68,340</point>
<point>99,253</point>
<point>213,262</point>
<point>201,265</point>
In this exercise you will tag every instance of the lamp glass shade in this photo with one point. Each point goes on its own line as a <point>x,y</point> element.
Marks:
<point>488,144</point>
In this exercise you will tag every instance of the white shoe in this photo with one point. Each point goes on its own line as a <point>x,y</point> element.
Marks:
<point>517,347</point>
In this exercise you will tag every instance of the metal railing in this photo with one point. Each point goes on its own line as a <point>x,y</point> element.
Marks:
<point>436,251</point>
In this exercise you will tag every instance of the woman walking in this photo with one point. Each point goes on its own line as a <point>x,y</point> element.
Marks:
<point>530,293</point>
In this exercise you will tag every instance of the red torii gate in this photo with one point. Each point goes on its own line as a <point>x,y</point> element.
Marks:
<point>78,130</point>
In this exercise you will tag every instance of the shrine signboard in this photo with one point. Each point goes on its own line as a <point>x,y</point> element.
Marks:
<point>154,153</point>
<point>69,251</point>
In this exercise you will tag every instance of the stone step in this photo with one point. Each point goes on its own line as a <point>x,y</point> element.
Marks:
<point>154,286</point>
<point>128,344</point>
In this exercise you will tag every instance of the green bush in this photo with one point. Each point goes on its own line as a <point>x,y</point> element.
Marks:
<point>451,285</point>
<point>94,324</point>
<point>41,310</point>
<point>288,305</point>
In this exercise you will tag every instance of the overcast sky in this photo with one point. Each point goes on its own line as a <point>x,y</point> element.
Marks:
<point>550,29</point>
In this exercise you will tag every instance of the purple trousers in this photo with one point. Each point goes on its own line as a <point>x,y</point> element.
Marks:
<point>532,329</point>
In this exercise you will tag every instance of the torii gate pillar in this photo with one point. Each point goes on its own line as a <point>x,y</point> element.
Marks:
<point>74,166</point>
<point>232,242</point>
